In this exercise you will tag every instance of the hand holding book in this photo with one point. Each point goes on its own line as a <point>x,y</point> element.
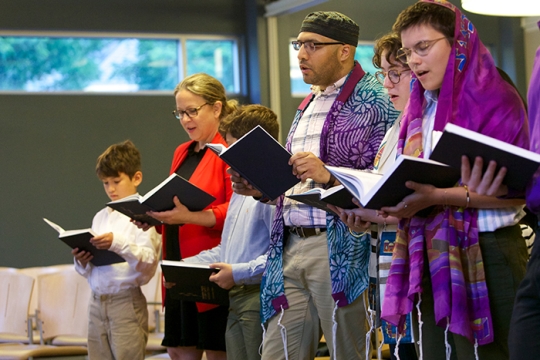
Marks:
<point>308,166</point>
<point>181,214</point>
<point>489,182</point>
<point>241,186</point>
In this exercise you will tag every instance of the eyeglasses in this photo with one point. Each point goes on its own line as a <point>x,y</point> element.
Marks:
<point>422,48</point>
<point>191,113</point>
<point>393,75</point>
<point>311,46</point>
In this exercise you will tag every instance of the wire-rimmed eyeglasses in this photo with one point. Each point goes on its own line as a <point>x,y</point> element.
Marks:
<point>393,75</point>
<point>191,113</point>
<point>421,48</point>
<point>311,46</point>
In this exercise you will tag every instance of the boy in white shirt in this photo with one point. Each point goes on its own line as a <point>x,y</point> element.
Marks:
<point>118,314</point>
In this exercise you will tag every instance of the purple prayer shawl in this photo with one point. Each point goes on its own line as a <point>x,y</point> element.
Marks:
<point>474,96</point>
<point>533,191</point>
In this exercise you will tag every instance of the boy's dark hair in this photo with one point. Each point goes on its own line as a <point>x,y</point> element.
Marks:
<point>122,157</point>
<point>390,43</point>
<point>438,17</point>
<point>247,117</point>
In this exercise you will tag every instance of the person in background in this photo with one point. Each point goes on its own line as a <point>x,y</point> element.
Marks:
<point>317,269</point>
<point>201,104</point>
<point>463,261</point>
<point>113,332</point>
<point>395,76</point>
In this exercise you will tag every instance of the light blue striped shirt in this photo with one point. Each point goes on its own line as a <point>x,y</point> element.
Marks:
<point>244,240</point>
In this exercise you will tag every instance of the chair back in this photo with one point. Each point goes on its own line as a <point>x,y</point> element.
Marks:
<point>15,293</point>
<point>63,299</point>
<point>35,272</point>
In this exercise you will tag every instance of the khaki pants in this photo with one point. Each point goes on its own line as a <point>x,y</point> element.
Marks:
<point>118,326</point>
<point>244,332</point>
<point>309,294</point>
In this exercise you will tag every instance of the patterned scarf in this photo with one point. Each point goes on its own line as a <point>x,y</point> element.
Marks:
<point>352,132</point>
<point>474,96</point>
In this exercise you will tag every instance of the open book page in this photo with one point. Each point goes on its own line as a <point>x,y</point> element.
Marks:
<point>66,233</point>
<point>321,198</point>
<point>55,226</point>
<point>358,182</point>
<point>375,191</point>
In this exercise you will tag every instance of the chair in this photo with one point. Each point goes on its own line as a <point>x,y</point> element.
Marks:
<point>152,292</point>
<point>15,293</point>
<point>63,299</point>
<point>34,272</point>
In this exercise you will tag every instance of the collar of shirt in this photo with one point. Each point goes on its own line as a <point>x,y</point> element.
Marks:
<point>317,91</point>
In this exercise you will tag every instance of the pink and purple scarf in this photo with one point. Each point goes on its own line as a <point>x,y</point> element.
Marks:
<point>474,96</point>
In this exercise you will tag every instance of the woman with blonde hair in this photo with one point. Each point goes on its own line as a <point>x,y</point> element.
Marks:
<point>191,328</point>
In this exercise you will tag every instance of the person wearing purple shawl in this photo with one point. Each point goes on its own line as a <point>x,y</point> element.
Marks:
<point>462,262</point>
<point>317,269</point>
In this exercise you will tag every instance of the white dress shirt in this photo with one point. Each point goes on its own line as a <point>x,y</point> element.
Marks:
<point>141,250</point>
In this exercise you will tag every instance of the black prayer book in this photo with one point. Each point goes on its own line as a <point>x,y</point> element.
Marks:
<point>161,197</point>
<point>375,190</point>
<point>192,282</point>
<point>81,239</point>
<point>320,198</point>
<point>456,141</point>
<point>261,160</point>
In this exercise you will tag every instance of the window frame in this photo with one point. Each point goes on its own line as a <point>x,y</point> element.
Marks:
<point>182,59</point>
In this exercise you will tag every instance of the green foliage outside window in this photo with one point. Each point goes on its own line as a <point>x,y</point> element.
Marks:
<point>215,58</point>
<point>111,64</point>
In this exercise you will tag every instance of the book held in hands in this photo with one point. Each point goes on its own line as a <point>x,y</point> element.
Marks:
<point>456,141</point>
<point>261,160</point>
<point>161,197</point>
<point>81,239</point>
<point>320,198</point>
<point>375,190</point>
<point>192,282</point>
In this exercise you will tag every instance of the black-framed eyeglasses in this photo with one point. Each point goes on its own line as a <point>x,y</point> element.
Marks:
<point>393,75</point>
<point>421,48</point>
<point>191,113</point>
<point>311,46</point>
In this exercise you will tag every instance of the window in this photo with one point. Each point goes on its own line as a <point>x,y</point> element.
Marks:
<point>113,64</point>
<point>364,55</point>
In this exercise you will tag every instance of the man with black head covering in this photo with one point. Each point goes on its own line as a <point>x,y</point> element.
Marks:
<point>317,268</point>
